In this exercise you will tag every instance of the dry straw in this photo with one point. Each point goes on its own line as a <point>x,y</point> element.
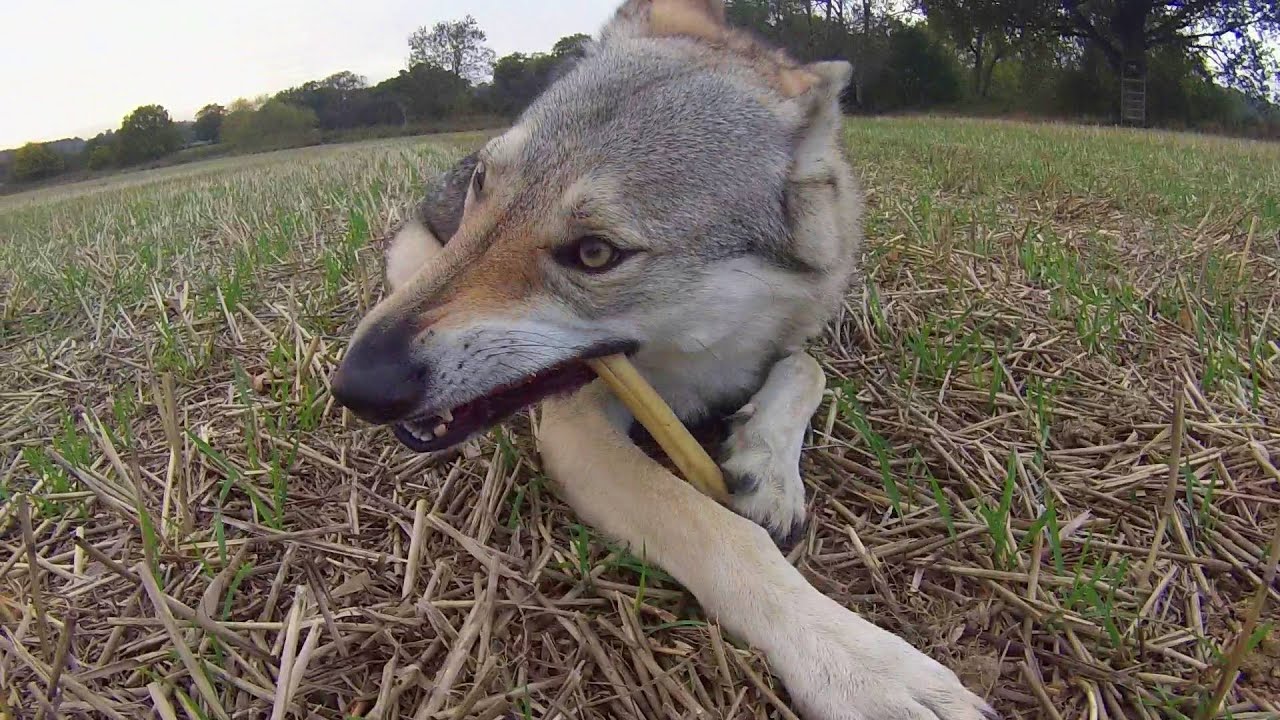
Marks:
<point>1027,325</point>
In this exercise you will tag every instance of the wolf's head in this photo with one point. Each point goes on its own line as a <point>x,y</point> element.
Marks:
<point>640,205</point>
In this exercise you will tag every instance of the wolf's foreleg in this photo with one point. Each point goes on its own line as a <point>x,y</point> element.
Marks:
<point>835,664</point>
<point>761,457</point>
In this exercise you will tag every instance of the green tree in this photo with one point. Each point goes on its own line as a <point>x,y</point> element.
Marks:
<point>209,122</point>
<point>341,100</point>
<point>516,81</point>
<point>574,46</point>
<point>242,104</point>
<point>36,161</point>
<point>146,134</point>
<point>101,157</point>
<point>920,72</point>
<point>345,81</point>
<point>276,124</point>
<point>425,92</point>
<point>100,150</point>
<point>519,78</point>
<point>456,45</point>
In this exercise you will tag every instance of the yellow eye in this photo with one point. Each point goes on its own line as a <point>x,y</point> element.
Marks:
<point>591,254</point>
<point>595,254</point>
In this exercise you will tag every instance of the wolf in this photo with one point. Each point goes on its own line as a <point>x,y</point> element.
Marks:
<point>679,195</point>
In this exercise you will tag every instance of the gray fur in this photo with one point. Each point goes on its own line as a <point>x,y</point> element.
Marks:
<point>704,162</point>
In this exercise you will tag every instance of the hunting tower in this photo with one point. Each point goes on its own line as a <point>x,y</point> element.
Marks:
<point>1133,94</point>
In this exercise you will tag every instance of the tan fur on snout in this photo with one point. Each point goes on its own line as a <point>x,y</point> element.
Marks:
<point>488,269</point>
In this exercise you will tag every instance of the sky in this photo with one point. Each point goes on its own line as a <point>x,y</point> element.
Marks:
<point>77,67</point>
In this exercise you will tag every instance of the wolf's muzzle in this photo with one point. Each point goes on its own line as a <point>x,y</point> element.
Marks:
<point>379,379</point>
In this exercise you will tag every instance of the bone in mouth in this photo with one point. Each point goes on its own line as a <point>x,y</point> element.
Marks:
<point>657,417</point>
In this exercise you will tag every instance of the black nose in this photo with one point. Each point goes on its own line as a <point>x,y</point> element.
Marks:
<point>378,379</point>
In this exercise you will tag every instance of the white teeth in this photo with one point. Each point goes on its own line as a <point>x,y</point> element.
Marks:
<point>428,429</point>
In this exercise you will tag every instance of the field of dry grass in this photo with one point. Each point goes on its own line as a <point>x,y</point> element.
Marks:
<point>1047,457</point>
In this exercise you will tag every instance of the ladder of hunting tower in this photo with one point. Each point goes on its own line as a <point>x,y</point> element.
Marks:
<point>1133,95</point>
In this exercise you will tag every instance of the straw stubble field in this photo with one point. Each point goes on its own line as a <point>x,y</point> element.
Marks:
<point>1047,456</point>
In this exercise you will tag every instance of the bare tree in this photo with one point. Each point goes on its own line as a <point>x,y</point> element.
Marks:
<point>457,46</point>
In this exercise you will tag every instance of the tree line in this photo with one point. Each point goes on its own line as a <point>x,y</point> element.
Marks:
<point>1204,64</point>
<point>452,80</point>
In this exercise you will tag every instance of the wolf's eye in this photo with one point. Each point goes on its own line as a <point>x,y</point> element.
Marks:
<point>591,253</point>
<point>594,253</point>
<point>477,178</point>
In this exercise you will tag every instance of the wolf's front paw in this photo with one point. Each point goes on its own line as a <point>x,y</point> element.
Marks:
<point>764,484</point>
<point>761,458</point>
<point>837,666</point>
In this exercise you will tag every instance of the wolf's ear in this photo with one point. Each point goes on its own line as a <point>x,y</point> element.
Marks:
<point>823,84</point>
<point>820,86</point>
<point>410,249</point>
<point>433,223</point>
<point>656,18</point>
<point>821,196</point>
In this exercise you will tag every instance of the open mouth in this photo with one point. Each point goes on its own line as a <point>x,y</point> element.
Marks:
<point>437,430</point>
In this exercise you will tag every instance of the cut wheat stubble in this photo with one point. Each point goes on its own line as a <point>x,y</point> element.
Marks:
<point>972,319</point>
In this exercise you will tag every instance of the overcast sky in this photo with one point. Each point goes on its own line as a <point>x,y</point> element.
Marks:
<point>77,67</point>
